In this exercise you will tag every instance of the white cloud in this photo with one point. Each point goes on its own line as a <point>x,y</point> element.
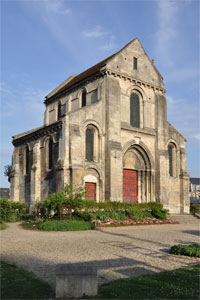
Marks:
<point>25,102</point>
<point>57,7</point>
<point>182,74</point>
<point>197,136</point>
<point>95,32</point>
<point>184,117</point>
<point>110,45</point>
<point>167,32</point>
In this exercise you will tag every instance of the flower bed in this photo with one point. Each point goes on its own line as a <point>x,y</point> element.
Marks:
<point>143,221</point>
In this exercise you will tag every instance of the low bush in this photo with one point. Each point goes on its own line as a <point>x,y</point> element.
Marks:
<point>159,213</point>
<point>11,211</point>
<point>3,226</point>
<point>82,215</point>
<point>135,213</point>
<point>65,225</point>
<point>5,209</point>
<point>188,250</point>
<point>195,208</point>
<point>19,207</point>
<point>105,215</point>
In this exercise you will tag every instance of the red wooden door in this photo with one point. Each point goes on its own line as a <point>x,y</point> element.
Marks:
<point>90,188</point>
<point>130,186</point>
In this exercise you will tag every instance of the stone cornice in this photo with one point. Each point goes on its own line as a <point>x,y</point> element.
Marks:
<point>35,134</point>
<point>104,71</point>
<point>148,131</point>
<point>132,79</point>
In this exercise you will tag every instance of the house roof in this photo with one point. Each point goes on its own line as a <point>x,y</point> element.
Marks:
<point>72,80</point>
<point>96,68</point>
<point>195,181</point>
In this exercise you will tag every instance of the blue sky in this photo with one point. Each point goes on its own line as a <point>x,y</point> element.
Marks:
<point>44,42</point>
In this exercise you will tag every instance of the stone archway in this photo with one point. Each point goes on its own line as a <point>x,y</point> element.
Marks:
<point>137,175</point>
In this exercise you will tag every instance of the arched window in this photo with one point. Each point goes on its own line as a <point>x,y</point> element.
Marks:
<point>172,159</point>
<point>50,154</point>
<point>27,161</point>
<point>59,110</point>
<point>89,155</point>
<point>83,103</point>
<point>135,110</point>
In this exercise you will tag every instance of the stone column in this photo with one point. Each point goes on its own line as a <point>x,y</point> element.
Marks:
<point>184,183</point>
<point>35,176</point>
<point>143,187</point>
<point>139,187</point>
<point>113,153</point>
<point>116,174</point>
<point>147,186</point>
<point>14,183</point>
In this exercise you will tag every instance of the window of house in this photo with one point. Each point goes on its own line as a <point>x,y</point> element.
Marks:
<point>172,159</point>
<point>59,110</point>
<point>135,110</point>
<point>89,144</point>
<point>94,97</point>
<point>83,98</point>
<point>135,63</point>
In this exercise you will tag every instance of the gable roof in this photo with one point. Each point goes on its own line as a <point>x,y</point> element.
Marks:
<point>91,71</point>
<point>195,181</point>
<point>94,69</point>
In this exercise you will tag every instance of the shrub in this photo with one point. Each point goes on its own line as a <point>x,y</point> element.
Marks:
<point>65,225</point>
<point>83,215</point>
<point>19,207</point>
<point>52,201</point>
<point>5,209</point>
<point>135,213</point>
<point>159,213</point>
<point>74,196</point>
<point>195,208</point>
<point>189,250</point>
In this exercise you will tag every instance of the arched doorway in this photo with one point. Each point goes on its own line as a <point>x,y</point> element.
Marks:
<point>137,177</point>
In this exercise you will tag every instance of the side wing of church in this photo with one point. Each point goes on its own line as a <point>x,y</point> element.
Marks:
<point>106,129</point>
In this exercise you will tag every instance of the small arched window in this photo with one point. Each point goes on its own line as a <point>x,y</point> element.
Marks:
<point>172,159</point>
<point>89,155</point>
<point>83,102</point>
<point>135,110</point>
<point>50,154</point>
<point>59,110</point>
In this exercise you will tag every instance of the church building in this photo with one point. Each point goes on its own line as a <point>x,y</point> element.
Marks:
<point>106,129</point>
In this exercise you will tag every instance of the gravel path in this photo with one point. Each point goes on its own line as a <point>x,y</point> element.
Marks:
<point>117,252</point>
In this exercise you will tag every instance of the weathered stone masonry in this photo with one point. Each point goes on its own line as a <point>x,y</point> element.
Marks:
<point>106,129</point>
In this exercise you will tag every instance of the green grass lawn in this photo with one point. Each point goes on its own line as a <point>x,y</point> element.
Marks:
<point>177,284</point>
<point>17,283</point>
<point>183,283</point>
<point>3,226</point>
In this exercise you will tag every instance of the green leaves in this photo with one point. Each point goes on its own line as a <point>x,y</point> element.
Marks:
<point>188,250</point>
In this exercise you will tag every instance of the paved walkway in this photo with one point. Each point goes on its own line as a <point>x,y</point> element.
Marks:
<point>117,252</point>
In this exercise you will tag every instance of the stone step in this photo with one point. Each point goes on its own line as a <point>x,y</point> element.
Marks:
<point>185,219</point>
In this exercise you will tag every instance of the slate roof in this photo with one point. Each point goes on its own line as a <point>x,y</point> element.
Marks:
<point>195,181</point>
<point>96,68</point>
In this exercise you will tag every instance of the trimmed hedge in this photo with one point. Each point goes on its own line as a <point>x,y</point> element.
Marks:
<point>65,225</point>
<point>11,211</point>
<point>195,208</point>
<point>188,250</point>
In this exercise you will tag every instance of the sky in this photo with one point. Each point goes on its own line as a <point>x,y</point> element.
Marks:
<point>43,42</point>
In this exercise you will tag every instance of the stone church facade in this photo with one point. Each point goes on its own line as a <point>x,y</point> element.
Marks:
<point>106,129</point>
